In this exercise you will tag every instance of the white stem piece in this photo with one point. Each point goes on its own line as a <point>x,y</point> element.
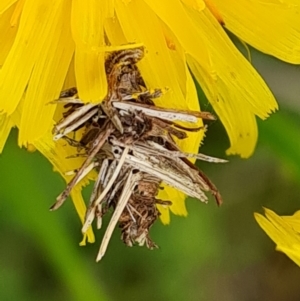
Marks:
<point>143,149</point>
<point>103,170</point>
<point>76,114</point>
<point>109,111</point>
<point>99,216</point>
<point>109,172</point>
<point>169,176</point>
<point>90,216</point>
<point>158,149</point>
<point>84,173</point>
<point>166,153</point>
<point>130,183</point>
<point>67,100</point>
<point>163,113</point>
<point>75,125</point>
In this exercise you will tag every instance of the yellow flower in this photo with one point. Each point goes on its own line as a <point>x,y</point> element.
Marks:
<point>50,45</point>
<point>284,231</point>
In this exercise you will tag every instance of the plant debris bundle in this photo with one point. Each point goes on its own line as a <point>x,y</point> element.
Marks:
<point>130,143</point>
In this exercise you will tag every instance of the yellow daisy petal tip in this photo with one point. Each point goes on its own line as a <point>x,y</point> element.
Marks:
<point>87,238</point>
<point>164,214</point>
<point>83,242</point>
<point>256,215</point>
<point>269,213</point>
<point>276,31</point>
<point>261,220</point>
<point>283,233</point>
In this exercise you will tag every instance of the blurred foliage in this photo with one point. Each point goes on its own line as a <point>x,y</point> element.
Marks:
<point>213,254</point>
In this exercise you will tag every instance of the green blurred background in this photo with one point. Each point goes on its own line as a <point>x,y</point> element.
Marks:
<point>213,254</point>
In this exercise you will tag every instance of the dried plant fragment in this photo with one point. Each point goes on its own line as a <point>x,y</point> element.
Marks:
<point>130,143</point>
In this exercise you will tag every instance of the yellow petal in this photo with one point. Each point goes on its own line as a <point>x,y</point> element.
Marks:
<point>289,236</point>
<point>58,153</point>
<point>157,67</point>
<point>195,4</point>
<point>268,227</point>
<point>231,66</point>
<point>214,10</point>
<point>293,221</point>
<point>17,12</point>
<point>115,36</point>
<point>8,33</point>
<point>176,197</point>
<point>188,89</point>
<point>81,208</point>
<point>70,80</point>
<point>36,24</point>
<point>90,77</point>
<point>236,90</point>
<point>186,32</point>
<point>5,126</point>
<point>88,18</point>
<point>165,214</point>
<point>272,26</point>
<point>5,4</point>
<point>114,32</point>
<point>239,122</point>
<point>47,77</point>
<point>278,229</point>
<point>190,144</point>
